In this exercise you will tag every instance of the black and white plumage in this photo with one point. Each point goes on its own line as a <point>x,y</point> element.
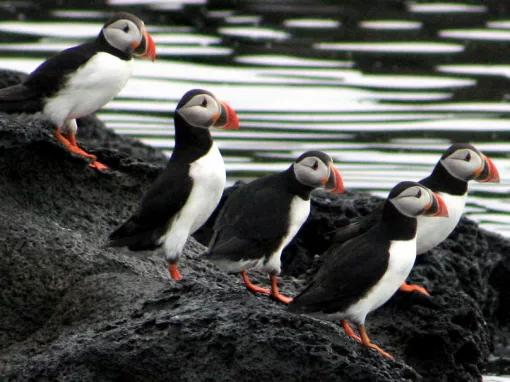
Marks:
<point>80,80</point>
<point>459,164</point>
<point>188,190</point>
<point>360,275</point>
<point>261,218</point>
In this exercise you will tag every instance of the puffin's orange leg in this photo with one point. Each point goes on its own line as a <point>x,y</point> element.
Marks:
<point>252,287</point>
<point>174,271</point>
<point>366,342</point>
<point>405,287</point>
<point>70,144</point>
<point>348,330</point>
<point>275,292</point>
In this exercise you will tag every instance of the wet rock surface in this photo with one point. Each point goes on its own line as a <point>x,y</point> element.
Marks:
<point>72,310</point>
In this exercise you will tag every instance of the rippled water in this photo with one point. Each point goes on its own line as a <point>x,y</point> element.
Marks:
<point>383,89</point>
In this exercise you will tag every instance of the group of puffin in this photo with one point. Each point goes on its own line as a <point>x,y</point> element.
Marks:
<point>369,260</point>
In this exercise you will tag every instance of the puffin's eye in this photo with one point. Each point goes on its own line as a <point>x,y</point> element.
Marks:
<point>468,157</point>
<point>126,28</point>
<point>315,165</point>
<point>418,194</point>
<point>204,103</point>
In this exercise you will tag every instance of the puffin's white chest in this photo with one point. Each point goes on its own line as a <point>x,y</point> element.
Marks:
<point>431,231</point>
<point>208,174</point>
<point>298,213</point>
<point>89,88</point>
<point>401,260</point>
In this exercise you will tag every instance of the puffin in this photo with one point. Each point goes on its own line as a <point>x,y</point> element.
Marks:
<point>188,190</point>
<point>259,219</point>
<point>80,80</point>
<point>459,164</point>
<point>360,275</point>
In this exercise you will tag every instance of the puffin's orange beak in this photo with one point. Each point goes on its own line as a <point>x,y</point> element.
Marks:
<point>227,119</point>
<point>437,207</point>
<point>487,172</point>
<point>334,183</point>
<point>146,48</point>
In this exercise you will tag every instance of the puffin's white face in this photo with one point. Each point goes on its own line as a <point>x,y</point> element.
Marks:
<point>123,35</point>
<point>202,110</point>
<point>311,171</point>
<point>316,169</point>
<point>413,201</point>
<point>463,164</point>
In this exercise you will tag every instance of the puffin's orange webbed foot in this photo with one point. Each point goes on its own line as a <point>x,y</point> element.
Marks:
<point>174,272</point>
<point>70,144</point>
<point>252,287</point>
<point>409,288</point>
<point>366,342</point>
<point>98,166</point>
<point>281,298</point>
<point>275,292</point>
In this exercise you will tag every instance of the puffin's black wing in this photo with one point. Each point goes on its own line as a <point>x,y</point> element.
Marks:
<point>358,226</point>
<point>162,201</point>
<point>253,220</point>
<point>349,271</point>
<point>45,80</point>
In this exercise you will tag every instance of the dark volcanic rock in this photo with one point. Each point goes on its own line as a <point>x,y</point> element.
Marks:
<point>72,310</point>
<point>447,337</point>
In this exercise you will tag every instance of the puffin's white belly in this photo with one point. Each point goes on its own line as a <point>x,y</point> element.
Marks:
<point>208,174</point>
<point>89,88</point>
<point>431,231</point>
<point>400,263</point>
<point>298,213</point>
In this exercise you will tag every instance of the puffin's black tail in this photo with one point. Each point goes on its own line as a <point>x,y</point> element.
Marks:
<point>134,236</point>
<point>358,226</point>
<point>308,300</point>
<point>20,99</point>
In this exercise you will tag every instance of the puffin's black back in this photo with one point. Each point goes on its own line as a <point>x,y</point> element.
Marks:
<point>439,180</point>
<point>254,219</point>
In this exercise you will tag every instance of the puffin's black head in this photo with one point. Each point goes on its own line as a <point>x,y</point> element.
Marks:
<point>127,33</point>
<point>200,108</point>
<point>465,162</point>
<point>316,169</point>
<point>413,199</point>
